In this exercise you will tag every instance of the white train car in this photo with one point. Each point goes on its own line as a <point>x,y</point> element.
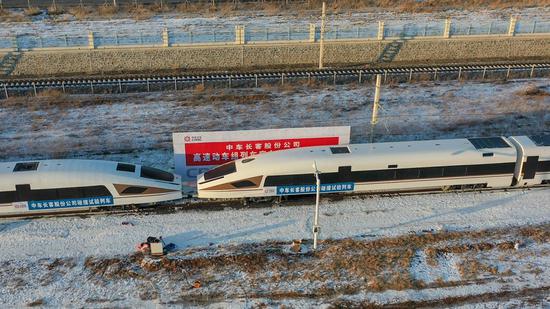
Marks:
<point>73,185</point>
<point>533,160</point>
<point>379,167</point>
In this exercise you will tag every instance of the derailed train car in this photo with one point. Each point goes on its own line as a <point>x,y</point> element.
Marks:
<point>47,186</point>
<point>385,167</point>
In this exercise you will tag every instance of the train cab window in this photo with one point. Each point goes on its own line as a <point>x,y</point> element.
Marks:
<point>155,173</point>
<point>337,150</point>
<point>124,167</point>
<point>243,184</point>
<point>392,166</point>
<point>134,190</point>
<point>489,142</point>
<point>220,171</point>
<point>488,154</point>
<point>26,166</point>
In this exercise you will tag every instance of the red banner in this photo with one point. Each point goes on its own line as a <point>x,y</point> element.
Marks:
<point>215,153</point>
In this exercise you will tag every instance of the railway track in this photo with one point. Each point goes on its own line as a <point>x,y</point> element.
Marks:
<point>142,83</point>
<point>192,204</point>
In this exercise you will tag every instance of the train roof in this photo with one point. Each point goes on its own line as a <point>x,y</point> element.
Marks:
<point>452,146</point>
<point>65,165</point>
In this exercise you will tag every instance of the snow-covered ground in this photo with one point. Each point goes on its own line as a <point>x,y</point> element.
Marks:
<point>84,261</point>
<point>138,127</point>
<point>377,216</point>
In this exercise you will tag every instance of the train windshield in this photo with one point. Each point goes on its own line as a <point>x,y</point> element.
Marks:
<point>220,171</point>
<point>154,173</point>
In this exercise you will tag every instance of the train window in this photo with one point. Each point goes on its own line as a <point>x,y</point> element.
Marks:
<point>330,178</point>
<point>96,191</point>
<point>380,175</point>
<point>290,180</point>
<point>543,166</point>
<point>124,167</point>
<point>490,169</point>
<point>488,154</point>
<point>392,166</point>
<point>243,184</point>
<point>44,195</point>
<point>7,197</point>
<point>431,172</point>
<point>407,173</point>
<point>337,150</point>
<point>133,190</point>
<point>489,142</point>
<point>220,171</point>
<point>247,160</point>
<point>26,166</point>
<point>540,140</point>
<point>69,193</point>
<point>454,171</point>
<point>155,173</point>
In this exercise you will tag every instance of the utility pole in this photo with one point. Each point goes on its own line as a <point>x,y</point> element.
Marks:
<point>322,38</point>
<point>375,106</point>
<point>316,227</point>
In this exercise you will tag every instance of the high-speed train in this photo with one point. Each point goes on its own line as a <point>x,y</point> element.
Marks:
<point>385,167</point>
<point>36,187</point>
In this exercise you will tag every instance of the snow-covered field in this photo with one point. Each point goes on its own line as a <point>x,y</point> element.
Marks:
<point>237,254</point>
<point>421,250</point>
<point>138,127</point>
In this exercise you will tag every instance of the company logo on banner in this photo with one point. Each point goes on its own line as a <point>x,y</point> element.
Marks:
<point>197,152</point>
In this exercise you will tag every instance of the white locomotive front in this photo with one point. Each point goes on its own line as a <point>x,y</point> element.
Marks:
<point>381,167</point>
<point>70,185</point>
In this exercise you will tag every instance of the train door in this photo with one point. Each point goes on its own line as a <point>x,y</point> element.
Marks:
<point>344,173</point>
<point>530,167</point>
<point>23,193</point>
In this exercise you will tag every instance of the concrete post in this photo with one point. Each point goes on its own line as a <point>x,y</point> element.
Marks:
<point>239,35</point>
<point>165,38</point>
<point>15,43</point>
<point>91,40</point>
<point>512,27</point>
<point>380,30</point>
<point>312,29</point>
<point>447,29</point>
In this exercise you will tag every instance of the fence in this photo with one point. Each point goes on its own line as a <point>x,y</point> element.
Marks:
<point>178,36</point>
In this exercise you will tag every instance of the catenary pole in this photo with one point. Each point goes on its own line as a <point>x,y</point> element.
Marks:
<point>375,106</point>
<point>316,227</point>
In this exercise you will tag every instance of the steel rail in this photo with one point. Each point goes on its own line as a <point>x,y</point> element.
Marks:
<point>145,83</point>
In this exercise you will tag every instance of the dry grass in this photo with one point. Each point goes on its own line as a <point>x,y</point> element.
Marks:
<point>140,12</point>
<point>32,11</point>
<point>39,302</point>
<point>533,90</point>
<point>107,10</point>
<point>80,12</point>
<point>55,10</point>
